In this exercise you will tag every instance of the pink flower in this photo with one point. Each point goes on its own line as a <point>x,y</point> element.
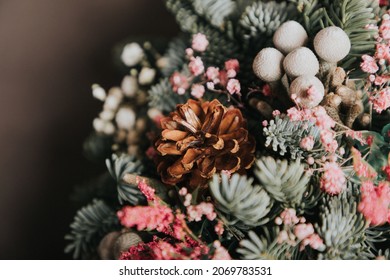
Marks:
<point>189,52</point>
<point>381,101</point>
<point>232,64</point>
<point>356,135</point>
<point>264,123</point>
<point>382,51</point>
<point>276,113</point>
<point>147,217</point>
<point>375,202</point>
<point>380,80</point>
<point>183,191</point>
<point>361,167</point>
<point>197,91</point>
<point>147,191</point>
<point>196,66</point>
<point>307,143</point>
<point>322,119</point>
<point>212,74</point>
<point>195,212</point>
<point>327,140</point>
<point>231,73</point>
<point>294,114</point>
<point>289,217</point>
<point>369,64</point>
<point>179,83</point>
<point>220,252</point>
<point>303,231</point>
<point>315,242</point>
<point>199,42</point>
<point>333,179</point>
<point>219,228</point>
<point>314,94</point>
<point>384,29</point>
<point>233,86</point>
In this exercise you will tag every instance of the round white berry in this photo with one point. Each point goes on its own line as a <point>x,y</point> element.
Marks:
<point>301,62</point>
<point>129,86</point>
<point>98,92</point>
<point>289,36</point>
<point>132,54</point>
<point>146,76</point>
<point>267,65</point>
<point>308,91</point>
<point>332,44</point>
<point>125,118</point>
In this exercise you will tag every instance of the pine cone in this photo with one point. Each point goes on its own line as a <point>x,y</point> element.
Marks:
<point>200,139</point>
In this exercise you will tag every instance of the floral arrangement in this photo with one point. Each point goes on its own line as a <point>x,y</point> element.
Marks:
<point>260,132</point>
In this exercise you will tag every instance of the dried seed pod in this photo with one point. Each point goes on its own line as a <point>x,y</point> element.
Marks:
<point>106,245</point>
<point>333,113</point>
<point>290,36</point>
<point>338,77</point>
<point>348,96</point>
<point>268,65</point>
<point>353,112</point>
<point>364,119</point>
<point>124,242</point>
<point>301,62</point>
<point>263,107</point>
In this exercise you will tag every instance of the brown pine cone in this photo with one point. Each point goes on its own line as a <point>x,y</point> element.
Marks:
<point>200,139</point>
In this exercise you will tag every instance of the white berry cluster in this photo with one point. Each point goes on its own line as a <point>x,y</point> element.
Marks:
<point>295,65</point>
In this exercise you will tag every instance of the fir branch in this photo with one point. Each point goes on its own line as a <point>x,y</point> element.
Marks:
<point>90,224</point>
<point>264,248</point>
<point>215,11</point>
<point>284,133</point>
<point>162,97</point>
<point>175,54</point>
<point>285,182</point>
<point>343,229</point>
<point>118,168</point>
<point>240,203</point>
<point>260,20</point>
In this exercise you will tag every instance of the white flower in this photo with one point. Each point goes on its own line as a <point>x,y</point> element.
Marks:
<point>112,102</point>
<point>98,125</point>
<point>146,76</point>
<point>132,54</point>
<point>125,118</point>
<point>98,92</point>
<point>129,86</point>
<point>107,115</point>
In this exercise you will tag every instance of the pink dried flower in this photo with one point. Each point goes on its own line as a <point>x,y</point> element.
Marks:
<point>276,113</point>
<point>314,94</point>
<point>356,135</point>
<point>384,29</point>
<point>327,140</point>
<point>195,212</point>
<point>380,80</point>
<point>307,143</point>
<point>231,73</point>
<point>294,114</point>
<point>322,119</point>
<point>381,101</point>
<point>219,228</point>
<point>361,167</point>
<point>233,86</point>
<point>314,241</point>
<point>197,91</point>
<point>232,64</point>
<point>189,52</point>
<point>187,199</point>
<point>282,237</point>
<point>333,179</point>
<point>212,74</point>
<point>183,191</point>
<point>289,217</point>
<point>220,252</point>
<point>210,85</point>
<point>223,78</point>
<point>375,202</point>
<point>199,42</point>
<point>179,83</point>
<point>148,191</point>
<point>382,51</point>
<point>303,231</point>
<point>156,217</point>
<point>369,64</point>
<point>196,66</point>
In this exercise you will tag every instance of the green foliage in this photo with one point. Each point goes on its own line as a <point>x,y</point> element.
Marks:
<point>350,15</point>
<point>162,97</point>
<point>264,248</point>
<point>343,229</point>
<point>261,19</point>
<point>119,167</point>
<point>90,224</point>
<point>285,182</point>
<point>284,133</point>
<point>215,11</point>
<point>175,54</point>
<point>239,202</point>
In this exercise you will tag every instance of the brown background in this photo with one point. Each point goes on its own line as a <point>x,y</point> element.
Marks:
<point>51,51</point>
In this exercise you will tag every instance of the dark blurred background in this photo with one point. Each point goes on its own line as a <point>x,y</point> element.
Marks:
<point>51,51</point>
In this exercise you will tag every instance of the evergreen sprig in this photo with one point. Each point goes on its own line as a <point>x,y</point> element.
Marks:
<point>118,168</point>
<point>239,202</point>
<point>342,228</point>
<point>264,247</point>
<point>215,11</point>
<point>285,136</point>
<point>175,54</point>
<point>162,97</point>
<point>285,181</point>
<point>90,224</point>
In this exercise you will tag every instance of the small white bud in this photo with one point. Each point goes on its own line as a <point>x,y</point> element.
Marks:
<point>112,103</point>
<point>129,86</point>
<point>109,128</point>
<point>146,76</point>
<point>98,125</point>
<point>98,92</point>
<point>125,118</point>
<point>107,115</point>
<point>132,54</point>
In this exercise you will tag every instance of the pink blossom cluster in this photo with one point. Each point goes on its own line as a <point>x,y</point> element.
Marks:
<point>378,67</point>
<point>361,167</point>
<point>195,212</point>
<point>375,202</point>
<point>296,231</point>
<point>212,78</point>
<point>333,178</point>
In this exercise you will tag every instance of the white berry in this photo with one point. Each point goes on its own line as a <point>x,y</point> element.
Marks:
<point>301,62</point>
<point>289,36</point>
<point>268,65</point>
<point>307,90</point>
<point>332,44</point>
